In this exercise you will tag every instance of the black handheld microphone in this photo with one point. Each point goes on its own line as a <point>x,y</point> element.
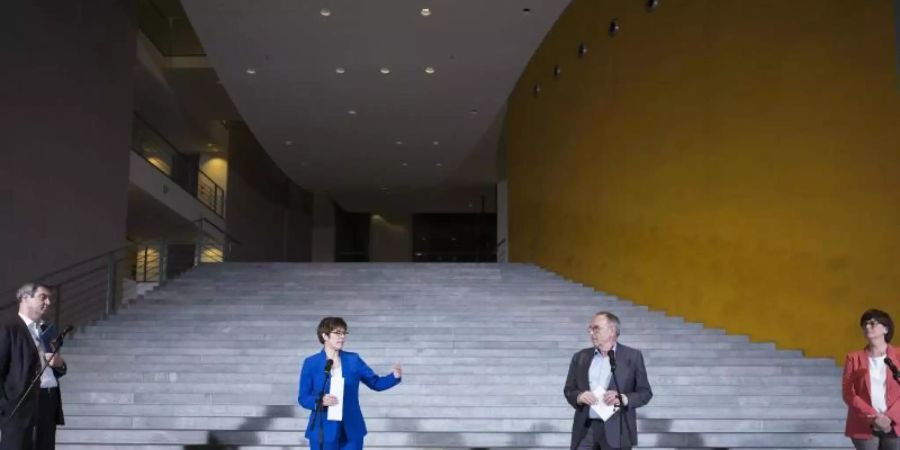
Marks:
<point>58,341</point>
<point>893,367</point>
<point>612,359</point>
<point>328,365</point>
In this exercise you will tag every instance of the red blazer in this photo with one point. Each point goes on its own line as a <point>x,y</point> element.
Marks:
<point>857,394</point>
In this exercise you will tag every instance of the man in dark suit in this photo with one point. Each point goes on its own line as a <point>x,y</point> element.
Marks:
<point>23,351</point>
<point>607,373</point>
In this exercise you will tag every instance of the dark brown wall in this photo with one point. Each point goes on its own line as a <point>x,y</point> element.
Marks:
<point>65,121</point>
<point>270,215</point>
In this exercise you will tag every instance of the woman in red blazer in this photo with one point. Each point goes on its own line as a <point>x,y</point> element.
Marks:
<point>870,389</point>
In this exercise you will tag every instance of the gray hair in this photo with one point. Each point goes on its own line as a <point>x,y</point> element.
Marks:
<point>29,289</point>
<point>612,318</point>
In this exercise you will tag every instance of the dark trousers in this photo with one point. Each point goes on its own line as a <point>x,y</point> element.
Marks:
<point>40,432</point>
<point>880,441</point>
<point>342,443</point>
<point>595,438</point>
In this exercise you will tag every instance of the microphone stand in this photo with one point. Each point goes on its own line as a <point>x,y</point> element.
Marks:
<point>623,416</point>
<point>894,371</point>
<point>320,409</point>
<point>44,365</point>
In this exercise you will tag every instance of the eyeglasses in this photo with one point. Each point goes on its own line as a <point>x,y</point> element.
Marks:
<point>596,329</point>
<point>870,323</point>
<point>341,333</point>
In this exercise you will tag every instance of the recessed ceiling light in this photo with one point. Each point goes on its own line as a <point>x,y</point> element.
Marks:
<point>404,164</point>
<point>526,10</point>
<point>399,142</point>
<point>339,70</point>
<point>425,12</point>
<point>438,165</point>
<point>303,164</point>
<point>288,142</point>
<point>435,142</point>
<point>251,71</point>
<point>384,188</point>
<point>473,112</point>
<point>210,145</point>
<point>325,12</point>
<point>429,70</point>
<point>385,70</point>
<point>352,112</point>
<point>470,205</point>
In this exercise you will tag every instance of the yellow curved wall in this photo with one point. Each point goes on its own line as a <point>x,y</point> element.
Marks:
<point>734,162</point>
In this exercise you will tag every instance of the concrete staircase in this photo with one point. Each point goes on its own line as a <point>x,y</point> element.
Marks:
<point>212,360</point>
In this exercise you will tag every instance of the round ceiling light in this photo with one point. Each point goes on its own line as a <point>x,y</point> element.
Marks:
<point>325,12</point>
<point>425,12</point>
<point>429,70</point>
<point>385,70</point>
<point>339,70</point>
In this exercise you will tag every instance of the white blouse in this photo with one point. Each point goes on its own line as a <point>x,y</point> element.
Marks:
<point>878,381</point>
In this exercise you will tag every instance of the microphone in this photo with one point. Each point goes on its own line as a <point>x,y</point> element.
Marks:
<point>612,359</point>
<point>893,367</point>
<point>57,342</point>
<point>328,365</point>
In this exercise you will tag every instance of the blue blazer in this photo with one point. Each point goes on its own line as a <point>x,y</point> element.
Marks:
<point>355,370</point>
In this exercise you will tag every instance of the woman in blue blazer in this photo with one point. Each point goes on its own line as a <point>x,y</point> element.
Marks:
<point>348,433</point>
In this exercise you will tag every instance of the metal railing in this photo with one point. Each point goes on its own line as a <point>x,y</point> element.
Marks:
<point>150,144</point>
<point>210,194</point>
<point>93,288</point>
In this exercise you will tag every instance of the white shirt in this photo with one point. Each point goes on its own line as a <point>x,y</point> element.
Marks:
<point>599,375</point>
<point>48,378</point>
<point>878,382</point>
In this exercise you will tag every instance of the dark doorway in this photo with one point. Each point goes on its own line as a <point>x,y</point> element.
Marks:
<point>351,236</point>
<point>454,237</point>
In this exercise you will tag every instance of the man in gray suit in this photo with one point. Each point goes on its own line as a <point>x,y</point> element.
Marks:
<point>609,373</point>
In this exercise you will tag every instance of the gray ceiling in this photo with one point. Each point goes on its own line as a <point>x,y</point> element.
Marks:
<point>478,49</point>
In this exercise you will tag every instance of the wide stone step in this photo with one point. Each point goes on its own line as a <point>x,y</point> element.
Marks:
<point>546,440</point>
<point>451,350</point>
<point>449,425</point>
<point>663,400</point>
<point>150,372</point>
<point>268,382</point>
<point>368,447</point>
<point>237,393</point>
<point>430,336</point>
<point>365,329</point>
<point>698,377</point>
<point>472,366</point>
<point>412,356</point>
<point>374,409</point>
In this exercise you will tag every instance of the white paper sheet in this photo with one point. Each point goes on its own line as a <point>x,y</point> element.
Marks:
<point>602,409</point>
<point>336,412</point>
